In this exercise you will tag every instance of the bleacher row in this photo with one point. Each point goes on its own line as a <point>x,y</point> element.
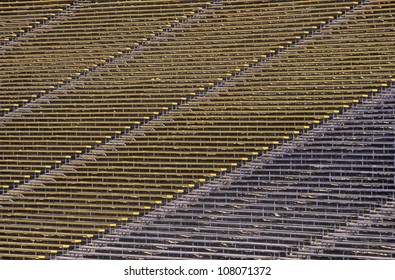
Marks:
<point>326,194</point>
<point>127,119</point>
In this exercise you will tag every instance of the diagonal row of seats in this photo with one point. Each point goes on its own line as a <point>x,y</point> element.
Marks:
<point>212,133</point>
<point>153,78</point>
<point>87,35</point>
<point>18,17</point>
<point>318,196</point>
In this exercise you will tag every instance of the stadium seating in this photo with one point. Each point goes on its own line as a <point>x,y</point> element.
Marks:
<point>19,17</point>
<point>326,194</point>
<point>369,237</point>
<point>151,79</point>
<point>80,39</point>
<point>115,108</point>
